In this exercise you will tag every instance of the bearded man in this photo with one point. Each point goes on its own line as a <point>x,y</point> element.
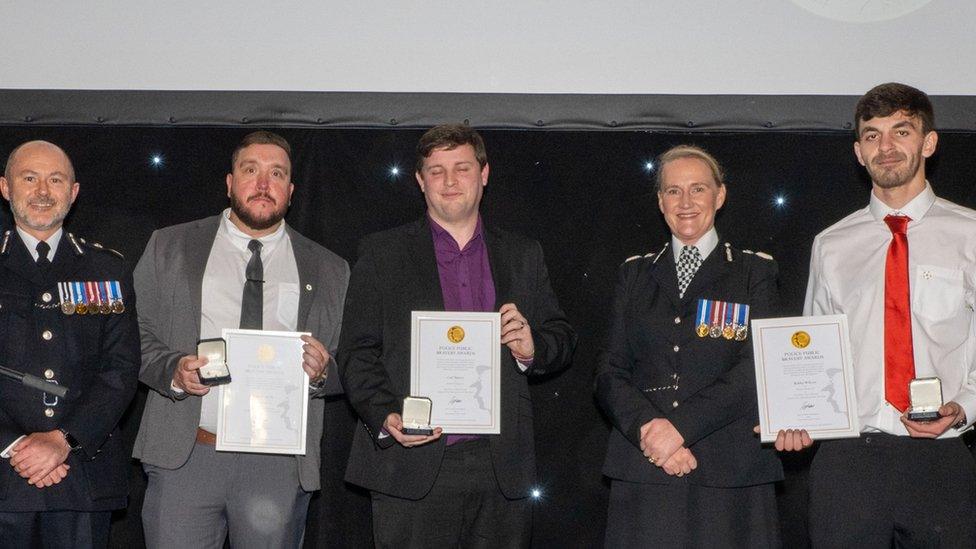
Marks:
<point>903,271</point>
<point>194,280</point>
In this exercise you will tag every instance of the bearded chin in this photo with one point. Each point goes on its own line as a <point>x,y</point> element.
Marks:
<point>890,179</point>
<point>255,223</point>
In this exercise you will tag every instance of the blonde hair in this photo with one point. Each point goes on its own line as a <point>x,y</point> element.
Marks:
<point>688,151</point>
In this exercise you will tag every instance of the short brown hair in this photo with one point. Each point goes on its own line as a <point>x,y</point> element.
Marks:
<point>450,137</point>
<point>688,151</point>
<point>887,99</point>
<point>260,137</point>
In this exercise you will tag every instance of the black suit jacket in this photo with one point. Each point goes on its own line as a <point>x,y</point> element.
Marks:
<point>396,274</point>
<point>652,337</point>
<point>95,355</point>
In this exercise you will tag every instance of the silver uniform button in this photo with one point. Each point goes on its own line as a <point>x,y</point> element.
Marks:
<point>674,404</point>
<point>308,287</point>
<point>47,335</point>
<point>677,320</point>
<point>49,412</point>
<point>49,374</point>
<point>46,297</point>
<point>676,348</point>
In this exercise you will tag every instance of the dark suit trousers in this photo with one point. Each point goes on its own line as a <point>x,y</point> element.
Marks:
<point>890,491</point>
<point>465,508</point>
<point>55,529</point>
<point>683,515</point>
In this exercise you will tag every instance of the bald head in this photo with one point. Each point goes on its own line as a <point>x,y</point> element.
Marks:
<point>31,146</point>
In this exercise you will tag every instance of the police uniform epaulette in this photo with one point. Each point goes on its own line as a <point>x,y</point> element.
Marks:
<point>633,257</point>
<point>76,240</point>
<point>763,255</point>
<point>653,256</point>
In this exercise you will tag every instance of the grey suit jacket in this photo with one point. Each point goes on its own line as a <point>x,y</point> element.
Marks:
<point>168,283</point>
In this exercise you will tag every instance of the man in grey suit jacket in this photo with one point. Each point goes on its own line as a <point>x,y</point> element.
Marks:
<point>192,281</point>
<point>455,490</point>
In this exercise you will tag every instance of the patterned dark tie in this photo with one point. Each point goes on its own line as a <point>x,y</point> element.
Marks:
<point>688,263</point>
<point>252,303</point>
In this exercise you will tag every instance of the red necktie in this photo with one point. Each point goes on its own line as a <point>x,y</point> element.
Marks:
<point>899,357</point>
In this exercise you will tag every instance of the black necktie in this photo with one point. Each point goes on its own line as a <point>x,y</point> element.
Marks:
<point>253,300</point>
<point>42,249</point>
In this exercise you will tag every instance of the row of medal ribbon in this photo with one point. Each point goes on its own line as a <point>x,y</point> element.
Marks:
<point>91,297</point>
<point>722,319</point>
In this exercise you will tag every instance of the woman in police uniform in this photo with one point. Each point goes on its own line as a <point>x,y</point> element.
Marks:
<point>676,378</point>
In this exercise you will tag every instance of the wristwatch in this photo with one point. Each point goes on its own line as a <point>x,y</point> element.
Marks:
<point>71,440</point>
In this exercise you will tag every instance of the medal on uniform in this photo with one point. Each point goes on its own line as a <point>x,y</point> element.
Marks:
<point>67,305</point>
<point>701,326</point>
<point>118,307</point>
<point>715,322</point>
<point>78,295</point>
<point>742,330</point>
<point>104,306</point>
<point>728,332</point>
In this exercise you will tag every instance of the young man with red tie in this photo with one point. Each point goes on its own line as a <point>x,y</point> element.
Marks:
<point>903,269</point>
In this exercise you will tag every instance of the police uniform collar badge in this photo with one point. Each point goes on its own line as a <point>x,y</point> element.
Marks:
<point>91,297</point>
<point>722,319</point>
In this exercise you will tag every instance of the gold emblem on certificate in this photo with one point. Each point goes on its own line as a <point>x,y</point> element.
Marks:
<point>455,334</point>
<point>800,339</point>
<point>266,353</point>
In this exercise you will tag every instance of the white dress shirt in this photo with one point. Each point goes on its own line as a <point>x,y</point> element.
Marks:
<point>31,242</point>
<point>705,245</point>
<point>223,288</point>
<point>847,272</point>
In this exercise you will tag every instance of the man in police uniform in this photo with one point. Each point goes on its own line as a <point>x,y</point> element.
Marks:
<point>54,491</point>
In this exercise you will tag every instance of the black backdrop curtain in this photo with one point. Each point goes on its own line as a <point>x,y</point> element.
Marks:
<point>587,196</point>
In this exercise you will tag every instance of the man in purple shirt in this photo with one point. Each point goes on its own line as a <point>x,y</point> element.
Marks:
<point>457,490</point>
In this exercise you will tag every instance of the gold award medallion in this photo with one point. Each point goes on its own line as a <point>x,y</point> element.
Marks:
<point>266,353</point>
<point>455,334</point>
<point>800,339</point>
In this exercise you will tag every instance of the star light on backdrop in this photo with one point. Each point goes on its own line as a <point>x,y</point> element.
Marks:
<point>648,166</point>
<point>536,493</point>
<point>156,160</point>
<point>779,201</point>
<point>395,171</point>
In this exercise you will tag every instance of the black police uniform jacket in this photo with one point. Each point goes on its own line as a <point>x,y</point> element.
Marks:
<point>96,356</point>
<point>712,401</point>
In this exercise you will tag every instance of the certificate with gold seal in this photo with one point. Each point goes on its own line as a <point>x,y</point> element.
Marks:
<point>804,376</point>
<point>455,361</point>
<point>264,409</point>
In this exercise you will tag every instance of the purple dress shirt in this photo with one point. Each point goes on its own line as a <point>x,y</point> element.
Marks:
<point>465,275</point>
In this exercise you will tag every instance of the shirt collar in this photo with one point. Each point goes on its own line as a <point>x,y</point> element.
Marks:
<point>31,242</point>
<point>915,209</point>
<point>240,239</point>
<point>440,234</point>
<point>705,244</point>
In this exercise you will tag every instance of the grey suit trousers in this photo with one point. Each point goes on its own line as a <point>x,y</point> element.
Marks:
<point>192,506</point>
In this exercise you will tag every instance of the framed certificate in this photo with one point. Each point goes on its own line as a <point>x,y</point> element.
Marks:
<point>804,376</point>
<point>455,361</point>
<point>264,409</point>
